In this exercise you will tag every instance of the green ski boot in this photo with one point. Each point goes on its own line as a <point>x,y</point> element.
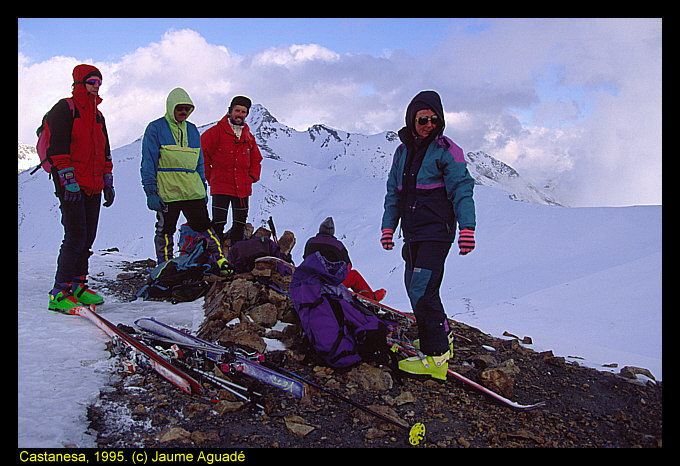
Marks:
<point>86,296</point>
<point>61,301</point>
<point>434,366</point>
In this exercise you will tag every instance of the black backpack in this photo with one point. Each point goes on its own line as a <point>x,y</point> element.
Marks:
<point>181,278</point>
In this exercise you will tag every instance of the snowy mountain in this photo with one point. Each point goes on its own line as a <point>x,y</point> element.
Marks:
<point>323,147</point>
<point>488,171</point>
<point>578,281</point>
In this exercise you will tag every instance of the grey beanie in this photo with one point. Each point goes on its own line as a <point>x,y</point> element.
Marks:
<point>327,227</point>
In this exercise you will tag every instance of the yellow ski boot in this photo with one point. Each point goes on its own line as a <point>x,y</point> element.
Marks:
<point>434,366</point>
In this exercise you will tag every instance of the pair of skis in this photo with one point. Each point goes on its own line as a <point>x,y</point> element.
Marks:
<point>289,382</point>
<point>160,363</point>
<point>227,359</point>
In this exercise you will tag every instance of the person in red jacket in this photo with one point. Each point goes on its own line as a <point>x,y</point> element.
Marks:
<point>82,169</point>
<point>232,163</point>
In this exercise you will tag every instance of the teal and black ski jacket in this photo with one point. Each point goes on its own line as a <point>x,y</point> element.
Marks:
<point>442,198</point>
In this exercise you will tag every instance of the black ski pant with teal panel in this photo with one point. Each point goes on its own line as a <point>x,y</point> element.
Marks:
<point>423,276</point>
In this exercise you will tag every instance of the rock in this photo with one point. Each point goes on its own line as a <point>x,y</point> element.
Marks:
<point>223,407</point>
<point>200,438</point>
<point>463,442</point>
<point>370,378</point>
<point>631,372</point>
<point>500,379</point>
<point>298,425</point>
<point>524,341</point>
<point>405,397</point>
<point>482,361</point>
<point>245,334</point>
<point>287,242</point>
<point>372,433</point>
<point>265,315</point>
<point>524,434</point>
<point>174,434</point>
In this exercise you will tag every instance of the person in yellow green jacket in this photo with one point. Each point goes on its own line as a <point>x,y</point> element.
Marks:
<point>173,177</point>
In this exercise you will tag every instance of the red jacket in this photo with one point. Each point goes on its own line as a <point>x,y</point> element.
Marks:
<point>79,139</point>
<point>232,165</point>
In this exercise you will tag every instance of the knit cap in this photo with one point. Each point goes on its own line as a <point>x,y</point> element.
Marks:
<point>327,227</point>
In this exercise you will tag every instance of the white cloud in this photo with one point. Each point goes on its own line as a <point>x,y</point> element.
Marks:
<point>294,54</point>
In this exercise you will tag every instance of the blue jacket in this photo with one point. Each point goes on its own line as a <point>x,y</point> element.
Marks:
<point>163,134</point>
<point>443,194</point>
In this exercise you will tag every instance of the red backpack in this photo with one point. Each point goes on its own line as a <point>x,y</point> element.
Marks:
<point>43,133</point>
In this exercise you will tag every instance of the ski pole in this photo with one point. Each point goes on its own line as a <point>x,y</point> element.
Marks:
<point>416,431</point>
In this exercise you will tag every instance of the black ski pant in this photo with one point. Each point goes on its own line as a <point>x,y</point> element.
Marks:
<point>423,276</point>
<point>196,213</point>
<point>80,220</point>
<point>239,215</point>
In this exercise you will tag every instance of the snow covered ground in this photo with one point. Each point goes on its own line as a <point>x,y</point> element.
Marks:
<point>585,283</point>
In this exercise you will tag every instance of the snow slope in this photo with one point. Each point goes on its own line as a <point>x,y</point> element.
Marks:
<point>583,282</point>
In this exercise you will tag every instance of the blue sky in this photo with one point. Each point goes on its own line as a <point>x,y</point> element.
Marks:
<point>42,38</point>
<point>571,102</point>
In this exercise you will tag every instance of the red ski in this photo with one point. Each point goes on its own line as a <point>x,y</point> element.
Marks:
<point>411,351</point>
<point>155,360</point>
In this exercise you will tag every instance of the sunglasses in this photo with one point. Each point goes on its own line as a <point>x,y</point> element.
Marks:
<point>183,108</point>
<point>423,120</point>
<point>93,81</point>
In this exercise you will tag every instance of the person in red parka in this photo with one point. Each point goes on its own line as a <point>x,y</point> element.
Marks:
<point>82,170</point>
<point>232,163</point>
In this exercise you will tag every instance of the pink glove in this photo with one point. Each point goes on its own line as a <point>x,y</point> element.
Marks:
<point>466,241</point>
<point>386,239</point>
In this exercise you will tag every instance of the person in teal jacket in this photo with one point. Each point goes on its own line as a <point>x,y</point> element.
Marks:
<point>173,177</point>
<point>430,192</point>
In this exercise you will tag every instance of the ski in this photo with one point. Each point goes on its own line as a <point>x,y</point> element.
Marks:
<point>229,360</point>
<point>409,350</point>
<point>156,361</point>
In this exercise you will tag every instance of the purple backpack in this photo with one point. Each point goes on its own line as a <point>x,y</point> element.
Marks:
<point>341,330</point>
